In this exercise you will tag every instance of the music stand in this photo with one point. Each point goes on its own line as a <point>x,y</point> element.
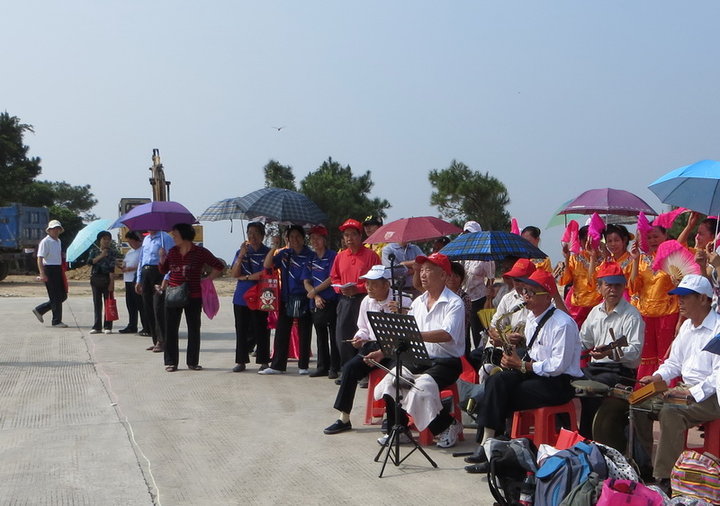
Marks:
<point>399,336</point>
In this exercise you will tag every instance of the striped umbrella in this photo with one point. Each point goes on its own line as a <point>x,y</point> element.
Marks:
<point>490,245</point>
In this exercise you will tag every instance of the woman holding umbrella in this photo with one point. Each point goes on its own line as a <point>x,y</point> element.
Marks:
<point>251,326</point>
<point>102,260</point>
<point>294,303</point>
<point>185,262</point>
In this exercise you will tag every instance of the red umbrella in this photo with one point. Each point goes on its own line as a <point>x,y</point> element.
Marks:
<point>419,228</point>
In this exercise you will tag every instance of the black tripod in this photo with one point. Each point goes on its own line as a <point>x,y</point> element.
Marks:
<point>399,335</point>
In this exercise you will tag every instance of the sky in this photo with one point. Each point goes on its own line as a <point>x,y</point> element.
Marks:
<point>552,98</point>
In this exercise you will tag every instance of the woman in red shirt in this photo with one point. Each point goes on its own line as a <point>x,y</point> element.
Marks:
<point>185,262</point>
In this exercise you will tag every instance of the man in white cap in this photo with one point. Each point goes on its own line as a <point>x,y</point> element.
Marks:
<point>379,296</point>
<point>699,371</point>
<point>49,262</point>
<point>477,272</point>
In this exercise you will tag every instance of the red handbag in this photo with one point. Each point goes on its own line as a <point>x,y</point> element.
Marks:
<point>111,312</point>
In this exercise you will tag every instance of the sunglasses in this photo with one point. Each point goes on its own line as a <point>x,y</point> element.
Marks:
<point>531,293</point>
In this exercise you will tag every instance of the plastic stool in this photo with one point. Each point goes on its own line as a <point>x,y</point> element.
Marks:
<point>426,437</point>
<point>373,408</point>
<point>542,420</point>
<point>469,373</point>
<point>711,440</point>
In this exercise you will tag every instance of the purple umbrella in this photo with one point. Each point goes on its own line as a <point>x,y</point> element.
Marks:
<point>608,201</point>
<point>155,216</point>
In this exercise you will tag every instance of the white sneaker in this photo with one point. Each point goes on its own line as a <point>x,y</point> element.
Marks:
<point>448,438</point>
<point>303,372</point>
<point>94,331</point>
<point>404,439</point>
<point>60,325</point>
<point>270,370</point>
<point>107,331</point>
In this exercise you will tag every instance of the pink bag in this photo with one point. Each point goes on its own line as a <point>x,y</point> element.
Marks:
<point>210,300</point>
<point>633,493</point>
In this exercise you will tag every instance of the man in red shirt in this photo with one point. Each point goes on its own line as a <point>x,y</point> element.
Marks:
<point>351,263</point>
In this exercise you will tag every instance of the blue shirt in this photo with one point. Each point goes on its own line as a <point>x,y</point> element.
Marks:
<point>402,254</point>
<point>251,263</point>
<point>150,250</point>
<point>291,266</point>
<point>317,270</point>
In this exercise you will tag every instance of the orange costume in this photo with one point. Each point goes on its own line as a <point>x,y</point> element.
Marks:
<point>543,263</point>
<point>650,296</point>
<point>584,295</point>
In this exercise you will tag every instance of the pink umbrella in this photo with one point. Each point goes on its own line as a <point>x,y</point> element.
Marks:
<point>419,228</point>
<point>608,201</point>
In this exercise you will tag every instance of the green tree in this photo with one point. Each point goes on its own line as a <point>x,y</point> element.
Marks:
<point>16,169</point>
<point>341,195</point>
<point>463,194</point>
<point>279,176</point>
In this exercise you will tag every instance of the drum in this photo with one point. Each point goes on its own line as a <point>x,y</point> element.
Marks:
<point>590,388</point>
<point>610,422</point>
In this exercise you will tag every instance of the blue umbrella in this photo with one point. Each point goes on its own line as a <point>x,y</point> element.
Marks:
<point>85,238</point>
<point>695,186</point>
<point>282,206</point>
<point>490,245</point>
<point>227,209</point>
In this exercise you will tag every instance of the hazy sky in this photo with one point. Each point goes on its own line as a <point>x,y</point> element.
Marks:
<point>553,98</point>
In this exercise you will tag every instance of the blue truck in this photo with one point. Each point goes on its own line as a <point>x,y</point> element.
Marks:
<point>21,230</point>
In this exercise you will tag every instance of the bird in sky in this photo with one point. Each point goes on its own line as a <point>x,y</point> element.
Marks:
<point>278,128</point>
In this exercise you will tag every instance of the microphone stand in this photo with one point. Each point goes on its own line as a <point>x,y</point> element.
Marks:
<point>395,284</point>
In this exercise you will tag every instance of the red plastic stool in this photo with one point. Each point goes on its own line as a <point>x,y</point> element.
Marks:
<point>426,437</point>
<point>542,420</point>
<point>373,408</point>
<point>711,441</point>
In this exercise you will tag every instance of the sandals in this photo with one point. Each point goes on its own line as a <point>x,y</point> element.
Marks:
<point>195,367</point>
<point>171,368</point>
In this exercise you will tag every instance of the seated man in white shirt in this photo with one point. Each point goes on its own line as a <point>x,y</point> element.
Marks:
<point>698,368</point>
<point>379,298</point>
<point>612,319</point>
<point>542,376</point>
<point>440,316</point>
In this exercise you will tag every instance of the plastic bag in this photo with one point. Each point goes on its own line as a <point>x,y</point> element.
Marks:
<point>210,300</point>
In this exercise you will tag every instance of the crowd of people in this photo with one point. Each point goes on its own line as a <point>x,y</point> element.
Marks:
<point>606,313</point>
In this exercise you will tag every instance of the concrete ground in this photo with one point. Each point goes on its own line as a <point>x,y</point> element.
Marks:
<point>95,419</point>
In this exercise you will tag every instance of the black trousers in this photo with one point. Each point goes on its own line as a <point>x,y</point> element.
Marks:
<point>251,327</point>
<point>134,305</point>
<point>445,372</point>
<point>352,373</point>
<point>324,321</point>
<point>100,284</point>
<point>192,319</point>
<point>153,303</point>
<point>55,287</point>
<point>348,309</point>
<point>282,339</point>
<point>509,391</point>
<point>608,374</point>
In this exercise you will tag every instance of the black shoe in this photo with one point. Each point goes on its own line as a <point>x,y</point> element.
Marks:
<point>478,468</point>
<point>127,330</point>
<point>318,372</point>
<point>338,427</point>
<point>238,368</point>
<point>338,381</point>
<point>333,375</point>
<point>478,457</point>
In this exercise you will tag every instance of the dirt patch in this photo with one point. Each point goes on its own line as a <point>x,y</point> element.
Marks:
<point>79,285</point>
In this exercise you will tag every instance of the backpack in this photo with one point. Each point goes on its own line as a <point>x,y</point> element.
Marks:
<point>562,472</point>
<point>509,462</point>
<point>697,475</point>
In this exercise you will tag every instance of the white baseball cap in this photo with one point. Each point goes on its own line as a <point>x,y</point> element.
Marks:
<point>693,283</point>
<point>54,224</point>
<point>472,226</point>
<point>376,272</point>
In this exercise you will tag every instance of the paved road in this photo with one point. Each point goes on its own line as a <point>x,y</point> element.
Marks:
<point>95,419</point>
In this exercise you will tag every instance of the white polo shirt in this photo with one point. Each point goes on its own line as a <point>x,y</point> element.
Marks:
<point>50,250</point>
<point>448,314</point>
<point>556,349</point>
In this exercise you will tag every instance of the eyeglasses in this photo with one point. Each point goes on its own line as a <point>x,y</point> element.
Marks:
<point>531,293</point>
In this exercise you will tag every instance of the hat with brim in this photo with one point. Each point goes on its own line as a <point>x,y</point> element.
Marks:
<point>350,223</point>
<point>377,272</point>
<point>54,224</point>
<point>611,273</point>
<point>541,279</point>
<point>438,259</point>
<point>522,268</point>
<point>693,284</point>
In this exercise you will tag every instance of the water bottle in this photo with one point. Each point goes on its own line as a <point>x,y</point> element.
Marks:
<point>527,490</point>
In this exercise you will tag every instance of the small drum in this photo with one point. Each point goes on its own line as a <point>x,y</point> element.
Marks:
<point>590,388</point>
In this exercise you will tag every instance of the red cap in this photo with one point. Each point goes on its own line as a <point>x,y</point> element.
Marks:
<point>437,259</point>
<point>522,268</point>
<point>319,230</point>
<point>541,279</point>
<point>611,273</point>
<point>350,223</point>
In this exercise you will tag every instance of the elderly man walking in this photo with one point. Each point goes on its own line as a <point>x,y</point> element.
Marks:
<point>49,262</point>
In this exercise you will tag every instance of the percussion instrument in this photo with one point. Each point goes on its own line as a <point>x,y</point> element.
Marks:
<point>590,388</point>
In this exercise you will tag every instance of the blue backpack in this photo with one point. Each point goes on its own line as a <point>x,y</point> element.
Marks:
<point>565,470</point>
